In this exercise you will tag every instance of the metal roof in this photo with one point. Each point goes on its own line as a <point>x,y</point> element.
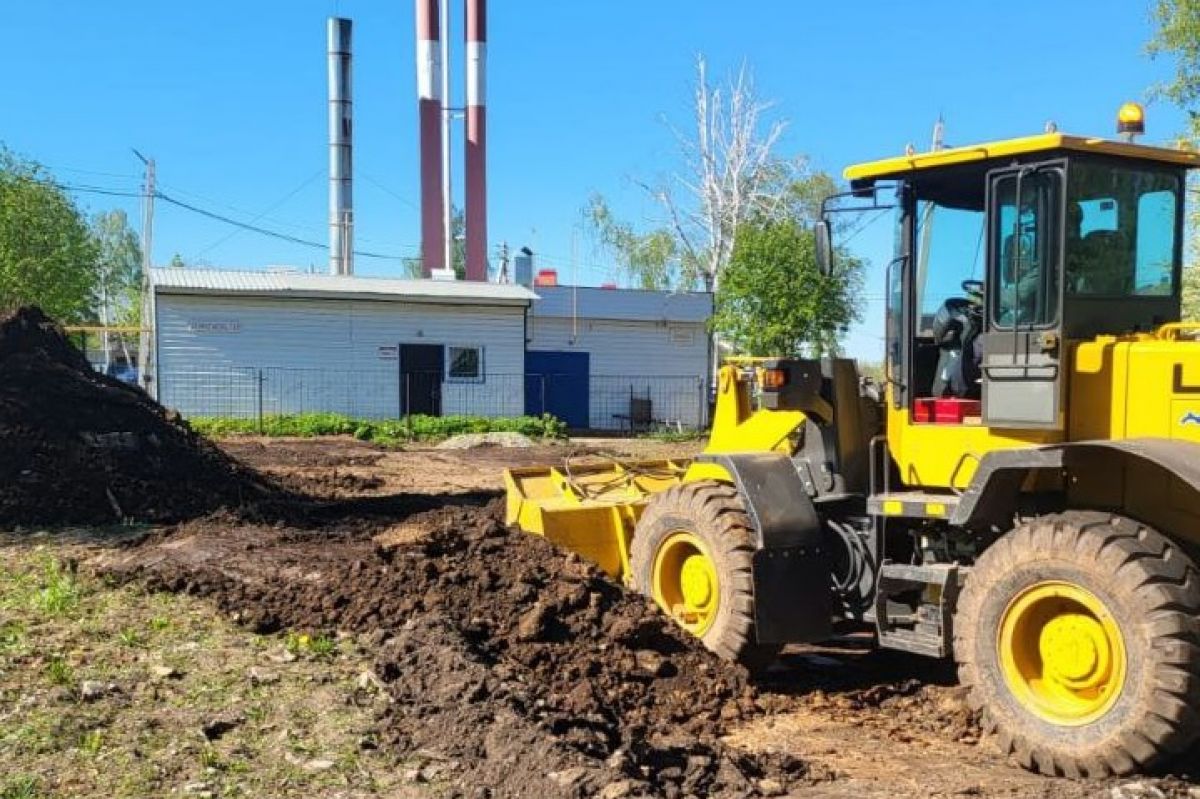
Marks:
<point>901,165</point>
<point>622,304</point>
<point>288,284</point>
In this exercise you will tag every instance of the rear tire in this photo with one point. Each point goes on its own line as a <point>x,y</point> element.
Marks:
<point>1107,681</point>
<point>705,523</point>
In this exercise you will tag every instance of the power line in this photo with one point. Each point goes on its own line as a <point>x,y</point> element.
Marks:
<point>267,232</point>
<point>259,217</point>
<point>367,177</point>
<point>249,226</point>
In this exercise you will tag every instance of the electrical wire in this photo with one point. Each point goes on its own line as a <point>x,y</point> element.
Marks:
<point>259,217</point>
<point>377,184</point>
<point>267,232</point>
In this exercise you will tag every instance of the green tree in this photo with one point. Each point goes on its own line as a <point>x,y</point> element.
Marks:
<point>119,267</point>
<point>773,300</point>
<point>650,258</point>
<point>47,254</point>
<point>1191,288</point>
<point>1177,36</point>
<point>458,250</point>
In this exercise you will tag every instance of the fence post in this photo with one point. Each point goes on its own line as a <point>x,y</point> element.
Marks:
<point>408,404</point>
<point>260,402</point>
<point>543,393</point>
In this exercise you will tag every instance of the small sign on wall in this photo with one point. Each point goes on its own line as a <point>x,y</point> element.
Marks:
<point>214,326</point>
<point>390,352</point>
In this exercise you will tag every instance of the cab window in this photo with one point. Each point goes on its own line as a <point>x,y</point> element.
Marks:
<point>1121,231</point>
<point>1025,247</point>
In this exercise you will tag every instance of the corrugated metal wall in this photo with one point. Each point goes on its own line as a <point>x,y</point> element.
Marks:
<point>342,350</point>
<point>670,358</point>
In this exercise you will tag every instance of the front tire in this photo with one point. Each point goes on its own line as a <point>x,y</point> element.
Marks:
<point>1078,637</point>
<point>692,554</point>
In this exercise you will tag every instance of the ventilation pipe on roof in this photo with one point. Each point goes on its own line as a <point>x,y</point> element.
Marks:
<point>341,202</point>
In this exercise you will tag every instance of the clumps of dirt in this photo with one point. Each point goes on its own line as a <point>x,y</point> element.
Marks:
<point>510,663</point>
<point>333,484</point>
<point>316,453</point>
<point>906,709</point>
<point>83,448</point>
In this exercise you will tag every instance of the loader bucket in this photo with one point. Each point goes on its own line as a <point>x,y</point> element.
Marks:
<point>590,509</point>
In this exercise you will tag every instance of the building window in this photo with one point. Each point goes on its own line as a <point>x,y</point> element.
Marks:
<point>466,363</point>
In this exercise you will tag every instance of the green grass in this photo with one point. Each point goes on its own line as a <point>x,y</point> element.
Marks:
<point>388,431</point>
<point>320,646</point>
<point>59,671</point>
<point>59,592</point>
<point>12,635</point>
<point>20,787</point>
<point>91,741</point>
<point>160,623</point>
<point>675,436</point>
<point>53,744</point>
<point>130,638</point>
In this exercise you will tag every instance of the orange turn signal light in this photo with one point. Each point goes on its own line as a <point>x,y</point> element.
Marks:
<point>774,379</point>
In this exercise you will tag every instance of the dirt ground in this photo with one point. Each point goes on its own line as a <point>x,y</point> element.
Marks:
<point>345,467</point>
<point>394,640</point>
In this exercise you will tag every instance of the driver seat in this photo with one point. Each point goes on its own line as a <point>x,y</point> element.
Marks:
<point>957,326</point>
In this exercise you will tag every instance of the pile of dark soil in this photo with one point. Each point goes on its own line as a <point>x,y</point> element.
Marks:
<point>512,664</point>
<point>79,447</point>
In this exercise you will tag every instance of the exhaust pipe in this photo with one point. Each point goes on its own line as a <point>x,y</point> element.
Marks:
<point>341,142</point>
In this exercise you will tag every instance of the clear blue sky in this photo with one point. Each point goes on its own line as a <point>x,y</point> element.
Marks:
<point>230,100</point>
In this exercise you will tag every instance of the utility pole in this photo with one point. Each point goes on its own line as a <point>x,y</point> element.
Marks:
<point>149,190</point>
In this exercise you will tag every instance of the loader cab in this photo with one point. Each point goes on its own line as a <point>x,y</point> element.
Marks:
<point>1006,255</point>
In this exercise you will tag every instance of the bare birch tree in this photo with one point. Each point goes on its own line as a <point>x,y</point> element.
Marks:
<point>728,175</point>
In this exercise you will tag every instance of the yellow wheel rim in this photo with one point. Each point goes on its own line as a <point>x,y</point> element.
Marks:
<point>1062,653</point>
<point>685,582</point>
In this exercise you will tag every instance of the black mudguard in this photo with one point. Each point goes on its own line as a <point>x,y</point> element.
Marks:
<point>793,591</point>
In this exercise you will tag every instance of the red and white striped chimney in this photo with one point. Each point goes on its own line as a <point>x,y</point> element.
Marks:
<point>429,101</point>
<point>476,147</point>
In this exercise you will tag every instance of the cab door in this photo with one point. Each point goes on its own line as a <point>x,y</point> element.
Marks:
<point>1022,348</point>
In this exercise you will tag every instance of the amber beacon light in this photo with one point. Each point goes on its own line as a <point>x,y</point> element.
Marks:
<point>1131,121</point>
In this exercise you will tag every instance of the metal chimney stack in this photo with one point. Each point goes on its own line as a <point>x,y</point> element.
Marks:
<point>341,201</point>
<point>476,147</point>
<point>429,102</point>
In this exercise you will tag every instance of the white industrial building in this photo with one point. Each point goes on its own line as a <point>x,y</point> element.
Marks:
<point>632,345</point>
<point>237,343</point>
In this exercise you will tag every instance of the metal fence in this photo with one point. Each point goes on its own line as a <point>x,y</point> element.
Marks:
<point>597,402</point>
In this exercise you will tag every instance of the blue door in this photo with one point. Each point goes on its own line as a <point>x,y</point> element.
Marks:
<point>557,383</point>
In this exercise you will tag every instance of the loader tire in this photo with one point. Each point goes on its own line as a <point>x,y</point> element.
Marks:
<point>691,554</point>
<point>1078,637</point>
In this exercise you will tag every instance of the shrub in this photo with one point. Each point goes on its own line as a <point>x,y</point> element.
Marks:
<point>386,431</point>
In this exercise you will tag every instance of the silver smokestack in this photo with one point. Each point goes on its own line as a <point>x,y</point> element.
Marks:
<point>341,201</point>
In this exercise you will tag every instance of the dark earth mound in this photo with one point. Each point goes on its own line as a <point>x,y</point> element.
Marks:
<point>83,448</point>
<point>512,664</point>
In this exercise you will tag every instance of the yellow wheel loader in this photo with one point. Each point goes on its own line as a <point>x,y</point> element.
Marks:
<point>1022,494</point>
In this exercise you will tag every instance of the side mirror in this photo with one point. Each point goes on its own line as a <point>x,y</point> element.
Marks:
<point>824,247</point>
